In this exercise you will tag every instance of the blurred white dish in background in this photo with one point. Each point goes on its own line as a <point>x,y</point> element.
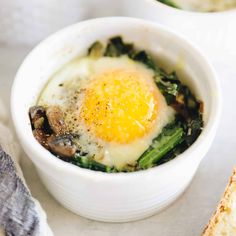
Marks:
<point>214,33</point>
<point>203,6</point>
<point>116,197</point>
<point>29,21</point>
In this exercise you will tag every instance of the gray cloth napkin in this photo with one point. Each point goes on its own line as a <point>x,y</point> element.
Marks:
<point>18,215</point>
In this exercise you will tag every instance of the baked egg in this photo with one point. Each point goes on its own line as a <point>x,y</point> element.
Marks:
<point>113,104</point>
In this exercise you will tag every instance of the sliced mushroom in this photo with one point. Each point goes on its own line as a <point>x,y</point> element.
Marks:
<point>62,145</point>
<point>56,120</point>
<point>41,137</point>
<point>39,119</point>
<point>37,116</point>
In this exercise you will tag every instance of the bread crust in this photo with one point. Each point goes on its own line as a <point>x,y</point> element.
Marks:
<point>222,207</point>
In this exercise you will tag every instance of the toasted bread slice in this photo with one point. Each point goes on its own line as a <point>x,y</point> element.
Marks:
<point>223,222</point>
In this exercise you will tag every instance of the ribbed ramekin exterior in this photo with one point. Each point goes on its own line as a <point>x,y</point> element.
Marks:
<point>121,204</point>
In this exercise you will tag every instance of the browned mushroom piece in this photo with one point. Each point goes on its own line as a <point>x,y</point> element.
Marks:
<point>62,145</point>
<point>41,137</point>
<point>37,116</point>
<point>56,120</point>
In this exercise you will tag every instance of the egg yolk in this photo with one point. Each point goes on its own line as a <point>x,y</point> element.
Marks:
<point>119,106</point>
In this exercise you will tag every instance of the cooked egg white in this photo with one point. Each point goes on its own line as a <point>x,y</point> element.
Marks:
<point>206,5</point>
<point>113,103</point>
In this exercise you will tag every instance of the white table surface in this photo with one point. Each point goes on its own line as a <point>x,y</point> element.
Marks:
<point>188,215</point>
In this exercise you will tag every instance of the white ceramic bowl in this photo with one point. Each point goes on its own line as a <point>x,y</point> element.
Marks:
<point>214,32</point>
<point>117,197</point>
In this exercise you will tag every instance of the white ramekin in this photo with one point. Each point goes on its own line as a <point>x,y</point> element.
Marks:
<point>118,197</point>
<point>213,32</point>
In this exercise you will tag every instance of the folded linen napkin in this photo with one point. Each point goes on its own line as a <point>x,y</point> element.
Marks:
<point>20,213</point>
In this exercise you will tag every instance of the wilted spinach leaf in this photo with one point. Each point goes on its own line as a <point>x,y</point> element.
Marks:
<point>169,2</point>
<point>116,47</point>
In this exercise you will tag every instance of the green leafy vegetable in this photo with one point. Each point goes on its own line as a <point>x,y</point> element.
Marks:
<point>169,90</point>
<point>144,58</point>
<point>116,47</point>
<point>171,136</point>
<point>89,163</point>
<point>169,2</point>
